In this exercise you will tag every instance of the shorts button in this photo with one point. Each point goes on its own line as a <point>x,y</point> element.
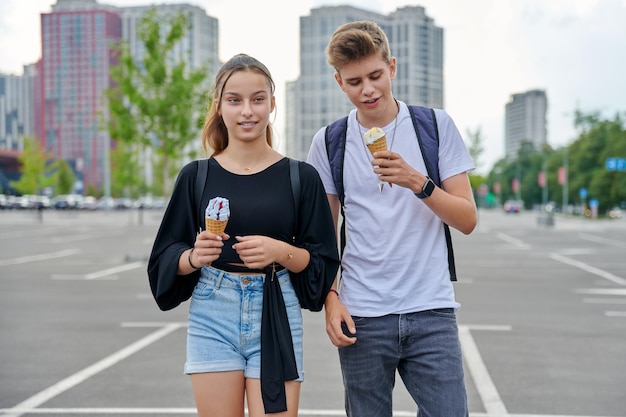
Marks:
<point>246,281</point>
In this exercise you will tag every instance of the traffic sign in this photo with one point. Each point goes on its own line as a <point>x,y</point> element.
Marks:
<point>615,164</point>
<point>582,193</point>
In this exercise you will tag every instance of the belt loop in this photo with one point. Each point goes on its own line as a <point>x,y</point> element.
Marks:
<point>218,280</point>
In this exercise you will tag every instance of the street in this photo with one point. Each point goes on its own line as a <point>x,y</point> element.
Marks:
<point>542,321</point>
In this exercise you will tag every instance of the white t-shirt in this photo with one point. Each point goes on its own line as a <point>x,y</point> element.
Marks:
<point>396,259</point>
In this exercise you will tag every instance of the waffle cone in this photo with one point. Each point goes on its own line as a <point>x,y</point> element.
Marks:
<point>378,145</point>
<point>216,226</point>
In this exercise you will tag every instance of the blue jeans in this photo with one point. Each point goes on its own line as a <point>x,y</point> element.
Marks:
<point>423,347</point>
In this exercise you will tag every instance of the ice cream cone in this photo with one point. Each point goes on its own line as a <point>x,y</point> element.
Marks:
<point>216,226</point>
<point>375,139</point>
<point>378,145</point>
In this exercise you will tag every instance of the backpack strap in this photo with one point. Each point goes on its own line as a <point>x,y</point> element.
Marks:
<point>294,176</point>
<point>424,121</point>
<point>335,138</point>
<point>203,170</point>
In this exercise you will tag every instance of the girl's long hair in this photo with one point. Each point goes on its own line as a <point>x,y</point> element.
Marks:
<point>214,132</point>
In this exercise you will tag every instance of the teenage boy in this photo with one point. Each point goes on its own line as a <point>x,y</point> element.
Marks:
<point>395,309</point>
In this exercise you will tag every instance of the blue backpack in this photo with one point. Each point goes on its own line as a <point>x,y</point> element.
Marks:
<point>425,125</point>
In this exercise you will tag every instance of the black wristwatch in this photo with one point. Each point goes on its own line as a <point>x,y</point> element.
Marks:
<point>427,190</point>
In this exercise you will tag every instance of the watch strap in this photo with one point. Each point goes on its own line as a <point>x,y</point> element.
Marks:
<point>427,190</point>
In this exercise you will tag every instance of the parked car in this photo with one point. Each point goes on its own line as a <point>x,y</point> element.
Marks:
<point>106,203</point>
<point>88,203</point>
<point>615,213</point>
<point>41,202</point>
<point>67,201</point>
<point>513,206</point>
<point>123,203</point>
<point>20,202</point>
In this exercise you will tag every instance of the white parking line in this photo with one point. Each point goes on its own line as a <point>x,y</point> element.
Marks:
<point>29,405</point>
<point>39,257</point>
<point>603,240</point>
<point>487,391</point>
<point>513,241</point>
<point>71,238</point>
<point>301,412</point>
<point>601,291</point>
<point>108,273</point>
<point>588,268</point>
<point>484,384</point>
<point>604,300</point>
<point>114,270</point>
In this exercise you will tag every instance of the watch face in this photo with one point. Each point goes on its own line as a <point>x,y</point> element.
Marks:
<point>429,187</point>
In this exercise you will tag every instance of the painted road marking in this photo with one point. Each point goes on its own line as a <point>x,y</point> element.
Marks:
<point>39,257</point>
<point>514,241</point>
<point>588,268</point>
<point>487,390</point>
<point>30,405</point>
<point>108,273</point>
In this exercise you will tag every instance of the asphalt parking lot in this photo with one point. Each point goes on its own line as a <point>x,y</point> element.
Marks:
<point>542,322</point>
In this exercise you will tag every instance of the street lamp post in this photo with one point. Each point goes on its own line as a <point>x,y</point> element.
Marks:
<point>565,176</point>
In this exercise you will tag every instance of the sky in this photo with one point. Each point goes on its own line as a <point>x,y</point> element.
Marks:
<point>575,50</point>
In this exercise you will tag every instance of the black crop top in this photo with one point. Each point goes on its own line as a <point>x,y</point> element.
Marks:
<point>260,204</point>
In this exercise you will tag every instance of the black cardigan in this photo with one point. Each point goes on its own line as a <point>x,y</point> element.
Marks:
<point>260,204</point>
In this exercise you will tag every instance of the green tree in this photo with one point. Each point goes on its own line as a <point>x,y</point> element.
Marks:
<point>598,139</point>
<point>64,178</point>
<point>475,146</point>
<point>36,169</point>
<point>476,149</point>
<point>157,103</point>
<point>125,170</point>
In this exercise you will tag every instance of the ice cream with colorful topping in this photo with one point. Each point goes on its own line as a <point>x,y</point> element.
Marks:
<point>217,214</point>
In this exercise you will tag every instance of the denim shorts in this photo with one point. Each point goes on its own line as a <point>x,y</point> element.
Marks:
<point>224,331</point>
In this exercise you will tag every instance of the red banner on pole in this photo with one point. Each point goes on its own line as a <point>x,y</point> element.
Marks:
<point>515,185</point>
<point>541,179</point>
<point>562,175</point>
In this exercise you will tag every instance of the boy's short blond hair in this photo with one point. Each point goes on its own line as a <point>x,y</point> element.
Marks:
<point>357,40</point>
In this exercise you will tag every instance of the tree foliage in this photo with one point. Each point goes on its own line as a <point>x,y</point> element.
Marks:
<point>475,146</point>
<point>39,171</point>
<point>37,168</point>
<point>64,178</point>
<point>585,159</point>
<point>156,106</point>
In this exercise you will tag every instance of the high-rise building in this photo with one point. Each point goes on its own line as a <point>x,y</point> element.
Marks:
<point>16,121</point>
<point>314,99</point>
<point>78,38</point>
<point>198,47</point>
<point>525,121</point>
<point>16,108</point>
